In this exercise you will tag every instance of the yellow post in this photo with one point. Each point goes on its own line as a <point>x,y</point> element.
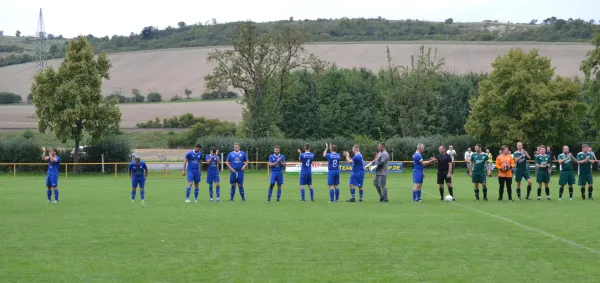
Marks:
<point>14,171</point>
<point>115,170</point>
<point>166,170</point>
<point>66,171</point>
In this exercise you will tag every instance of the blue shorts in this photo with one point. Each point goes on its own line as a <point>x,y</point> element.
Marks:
<point>236,178</point>
<point>418,177</point>
<point>333,178</point>
<point>305,179</point>
<point>357,179</point>
<point>277,177</point>
<point>193,176</point>
<point>135,182</point>
<point>210,178</point>
<point>51,181</point>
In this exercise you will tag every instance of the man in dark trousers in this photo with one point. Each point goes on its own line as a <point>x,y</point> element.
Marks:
<point>444,173</point>
<point>380,165</point>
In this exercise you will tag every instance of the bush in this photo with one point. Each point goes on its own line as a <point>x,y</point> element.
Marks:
<point>138,98</point>
<point>9,98</point>
<point>119,97</point>
<point>217,95</point>
<point>154,97</point>
<point>184,121</point>
<point>176,98</point>
<point>29,98</point>
<point>28,134</point>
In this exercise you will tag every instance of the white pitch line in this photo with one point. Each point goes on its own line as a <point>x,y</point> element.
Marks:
<point>520,225</point>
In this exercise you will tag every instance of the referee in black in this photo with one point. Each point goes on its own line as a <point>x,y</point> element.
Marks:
<point>444,173</point>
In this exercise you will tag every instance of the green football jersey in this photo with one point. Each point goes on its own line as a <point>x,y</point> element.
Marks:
<point>542,159</point>
<point>522,164</point>
<point>587,166</point>
<point>568,164</point>
<point>479,160</point>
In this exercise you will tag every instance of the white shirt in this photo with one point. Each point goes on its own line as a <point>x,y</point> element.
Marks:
<point>468,156</point>
<point>452,153</point>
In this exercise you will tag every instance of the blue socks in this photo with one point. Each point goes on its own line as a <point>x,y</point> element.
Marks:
<point>56,195</point>
<point>331,195</point>
<point>196,192</point>
<point>49,193</point>
<point>142,193</point>
<point>360,193</point>
<point>312,194</point>
<point>232,192</point>
<point>302,193</point>
<point>419,194</point>
<point>278,194</point>
<point>188,190</point>
<point>218,192</point>
<point>210,192</point>
<point>337,194</point>
<point>352,193</point>
<point>242,193</point>
<point>133,194</point>
<point>416,195</point>
<point>270,193</point>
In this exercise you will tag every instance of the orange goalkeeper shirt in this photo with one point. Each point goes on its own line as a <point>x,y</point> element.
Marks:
<point>503,160</point>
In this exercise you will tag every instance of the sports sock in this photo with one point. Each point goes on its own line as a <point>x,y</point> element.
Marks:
<point>337,194</point>
<point>519,192</point>
<point>509,192</point>
<point>442,192</point>
<point>414,195</point>
<point>484,192</point>
<point>571,191</point>
<point>384,191</point>
<point>528,191</point>
<point>418,194</point>
<point>539,192</point>
<point>142,194</point>
<point>210,191</point>
<point>278,194</point>
<point>353,193</point>
<point>547,190</point>
<point>218,192</point>
<point>49,194</point>
<point>187,192</point>
<point>133,194</point>
<point>302,193</point>
<point>451,191</point>
<point>331,195</point>
<point>360,193</point>
<point>476,191</point>
<point>242,193</point>
<point>379,191</point>
<point>583,192</point>
<point>196,193</point>
<point>590,191</point>
<point>232,192</point>
<point>501,192</point>
<point>312,194</point>
<point>56,195</point>
<point>269,194</point>
<point>560,191</point>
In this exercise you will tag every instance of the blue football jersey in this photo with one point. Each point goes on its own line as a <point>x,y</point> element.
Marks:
<point>137,171</point>
<point>237,159</point>
<point>273,158</point>
<point>306,159</point>
<point>53,167</point>
<point>358,164</point>
<point>417,158</point>
<point>213,164</point>
<point>194,160</point>
<point>333,161</point>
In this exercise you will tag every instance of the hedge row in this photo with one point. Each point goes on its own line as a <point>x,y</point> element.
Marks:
<point>9,98</point>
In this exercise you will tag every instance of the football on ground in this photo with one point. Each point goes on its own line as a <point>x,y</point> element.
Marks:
<point>96,234</point>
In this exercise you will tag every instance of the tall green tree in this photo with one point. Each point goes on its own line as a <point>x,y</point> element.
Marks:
<point>591,68</point>
<point>520,101</point>
<point>69,101</point>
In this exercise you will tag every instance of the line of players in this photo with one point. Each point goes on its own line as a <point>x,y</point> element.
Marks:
<point>516,164</point>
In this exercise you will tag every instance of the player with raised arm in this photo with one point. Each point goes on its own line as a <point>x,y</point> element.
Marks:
<point>585,160</point>
<point>357,177</point>
<point>138,173</point>
<point>192,167</point>
<point>544,164</point>
<point>566,160</point>
<point>333,174</point>
<point>52,173</point>
<point>237,162</point>
<point>445,169</point>
<point>479,164</point>
<point>212,174</point>
<point>306,160</point>
<point>521,171</point>
<point>277,163</point>
<point>505,163</point>
<point>418,171</point>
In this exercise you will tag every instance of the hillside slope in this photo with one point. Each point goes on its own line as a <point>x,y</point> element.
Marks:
<point>170,71</point>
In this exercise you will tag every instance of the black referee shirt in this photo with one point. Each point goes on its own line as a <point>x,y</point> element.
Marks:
<point>443,160</point>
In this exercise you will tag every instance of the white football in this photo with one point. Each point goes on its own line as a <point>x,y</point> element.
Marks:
<point>449,198</point>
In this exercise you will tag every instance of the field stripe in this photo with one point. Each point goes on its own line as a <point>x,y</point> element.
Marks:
<point>519,225</point>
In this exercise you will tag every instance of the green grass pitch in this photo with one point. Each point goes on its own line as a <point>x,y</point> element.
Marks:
<point>96,234</point>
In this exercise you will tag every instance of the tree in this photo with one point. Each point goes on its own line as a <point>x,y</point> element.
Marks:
<point>69,100</point>
<point>181,24</point>
<point>259,66</point>
<point>533,22</point>
<point>590,66</point>
<point>520,101</point>
<point>291,19</point>
<point>187,93</point>
<point>148,32</point>
<point>449,21</point>
<point>50,36</point>
<point>18,33</point>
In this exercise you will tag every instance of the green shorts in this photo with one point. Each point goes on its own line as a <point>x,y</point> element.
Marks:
<point>585,179</point>
<point>478,178</point>
<point>542,176</point>
<point>566,177</point>
<point>522,174</point>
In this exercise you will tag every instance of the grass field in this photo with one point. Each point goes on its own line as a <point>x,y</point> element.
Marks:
<point>95,234</point>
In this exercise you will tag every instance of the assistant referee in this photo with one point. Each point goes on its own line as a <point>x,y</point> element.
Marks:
<point>444,173</point>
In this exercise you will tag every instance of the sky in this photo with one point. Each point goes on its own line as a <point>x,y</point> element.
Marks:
<point>110,17</point>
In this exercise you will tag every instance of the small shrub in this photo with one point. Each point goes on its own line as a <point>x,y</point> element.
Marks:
<point>154,97</point>
<point>119,97</point>
<point>176,98</point>
<point>28,134</point>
